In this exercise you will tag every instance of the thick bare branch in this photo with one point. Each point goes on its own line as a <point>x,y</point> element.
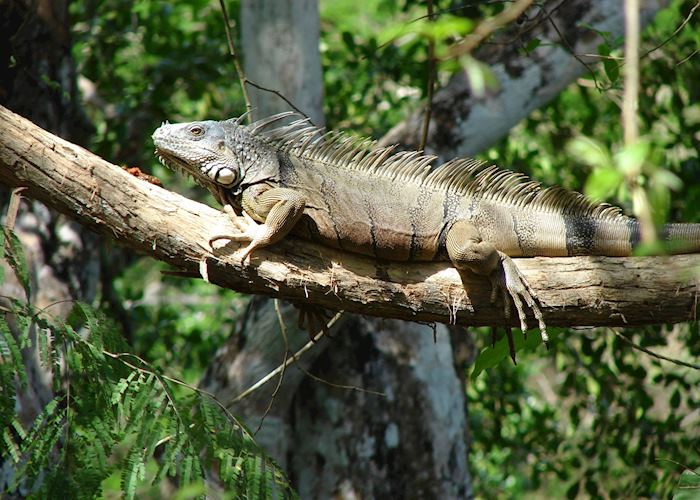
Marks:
<point>152,220</point>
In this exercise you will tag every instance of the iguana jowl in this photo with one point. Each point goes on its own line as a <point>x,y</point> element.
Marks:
<point>335,190</point>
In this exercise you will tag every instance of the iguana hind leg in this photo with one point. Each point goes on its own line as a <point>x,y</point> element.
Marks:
<point>467,250</point>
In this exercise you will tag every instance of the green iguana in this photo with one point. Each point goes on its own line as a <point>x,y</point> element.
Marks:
<point>341,192</point>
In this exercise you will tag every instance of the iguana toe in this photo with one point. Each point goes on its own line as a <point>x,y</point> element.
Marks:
<point>515,287</point>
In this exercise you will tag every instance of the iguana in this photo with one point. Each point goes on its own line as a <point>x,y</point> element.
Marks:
<point>344,193</point>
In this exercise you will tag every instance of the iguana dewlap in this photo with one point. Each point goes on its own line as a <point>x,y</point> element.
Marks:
<point>340,192</point>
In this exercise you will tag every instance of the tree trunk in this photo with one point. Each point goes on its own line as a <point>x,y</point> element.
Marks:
<point>280,48</point>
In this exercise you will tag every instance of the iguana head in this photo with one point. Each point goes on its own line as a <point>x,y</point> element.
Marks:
<point>222,153</point>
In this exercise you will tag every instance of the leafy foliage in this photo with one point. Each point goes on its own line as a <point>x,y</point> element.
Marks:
<point>601,419</point>
<point>113,415</point>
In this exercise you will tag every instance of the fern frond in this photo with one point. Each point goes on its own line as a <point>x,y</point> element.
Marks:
<point>14,255</point>
<point>134,470</point>
<point>186,466</point>
<point>11,447</point>
<point>10,352</point>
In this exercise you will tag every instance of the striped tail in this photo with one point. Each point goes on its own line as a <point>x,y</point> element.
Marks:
<point>618,238</point>
<point>681,238</point>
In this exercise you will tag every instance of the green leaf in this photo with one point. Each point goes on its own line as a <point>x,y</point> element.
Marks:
<point>572,492</point>
<point>10,351</point>
<point>481,79</point>
<point>675,399</point>
<point>492,355</point>
<point>196,489</point>
<point>602,183</point>
<point>134,471</point>
<point>612,70</point>
<point>589,152</point>
<point>11,446</point>
<point>659,197</point>
<point>691,115</point>
<point>532,45</point>
<point>688,485</point>
<point>349,40</point>
<point>666,178</point>
<point>631,158</point>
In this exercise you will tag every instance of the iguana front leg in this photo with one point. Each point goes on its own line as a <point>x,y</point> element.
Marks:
<point>278,209</point>
<point>467,250</point>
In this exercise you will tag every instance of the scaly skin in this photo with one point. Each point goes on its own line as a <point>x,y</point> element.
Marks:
<point>340,193</point>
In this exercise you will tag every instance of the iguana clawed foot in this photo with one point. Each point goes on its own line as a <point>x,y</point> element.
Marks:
<point>511,283</point>
<point>250,231</point>
<point>313,319</point>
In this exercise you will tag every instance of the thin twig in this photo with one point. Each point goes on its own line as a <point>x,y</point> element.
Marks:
<point>630,100</point>
<point>484,29</point>
<point>570,48</point>
<point>431,82</point>
<point>236,62</point>
<point>677,30</point>
<point>280,95</point>
<point>13,207</point>
<point>245,80</point>
<point>662,44</point>
<point>328,382</point>
<point>333,384</point>
<point>687,467</point>
<point>687,57</point>
<point>655,355</point>
<point>294,357</point>
<point>283,331</point>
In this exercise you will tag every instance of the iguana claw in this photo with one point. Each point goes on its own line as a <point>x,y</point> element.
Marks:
<point>513,285</point>
<point>249,231</point>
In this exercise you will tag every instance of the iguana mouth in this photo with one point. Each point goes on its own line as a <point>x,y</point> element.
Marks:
<point>176,164</point>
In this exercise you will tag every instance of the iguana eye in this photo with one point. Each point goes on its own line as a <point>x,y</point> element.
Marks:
<point>196,130</point>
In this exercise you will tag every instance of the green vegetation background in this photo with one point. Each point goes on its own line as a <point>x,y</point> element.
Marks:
<point>591,415</point>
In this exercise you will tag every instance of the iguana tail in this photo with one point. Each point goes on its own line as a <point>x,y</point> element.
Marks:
<point>681,238</point>
<point>615,238</point>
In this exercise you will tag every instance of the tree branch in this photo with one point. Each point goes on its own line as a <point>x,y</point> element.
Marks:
<point>591,291</point>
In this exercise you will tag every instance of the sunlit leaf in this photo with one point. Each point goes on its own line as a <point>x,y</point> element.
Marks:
<point>688,485</point>
<point>481,78</point>
<point>589,152</point>
<point>631,158</point>
<point>602,183</point>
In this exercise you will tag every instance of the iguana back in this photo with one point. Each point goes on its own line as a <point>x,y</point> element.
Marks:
<point>399,206</point>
